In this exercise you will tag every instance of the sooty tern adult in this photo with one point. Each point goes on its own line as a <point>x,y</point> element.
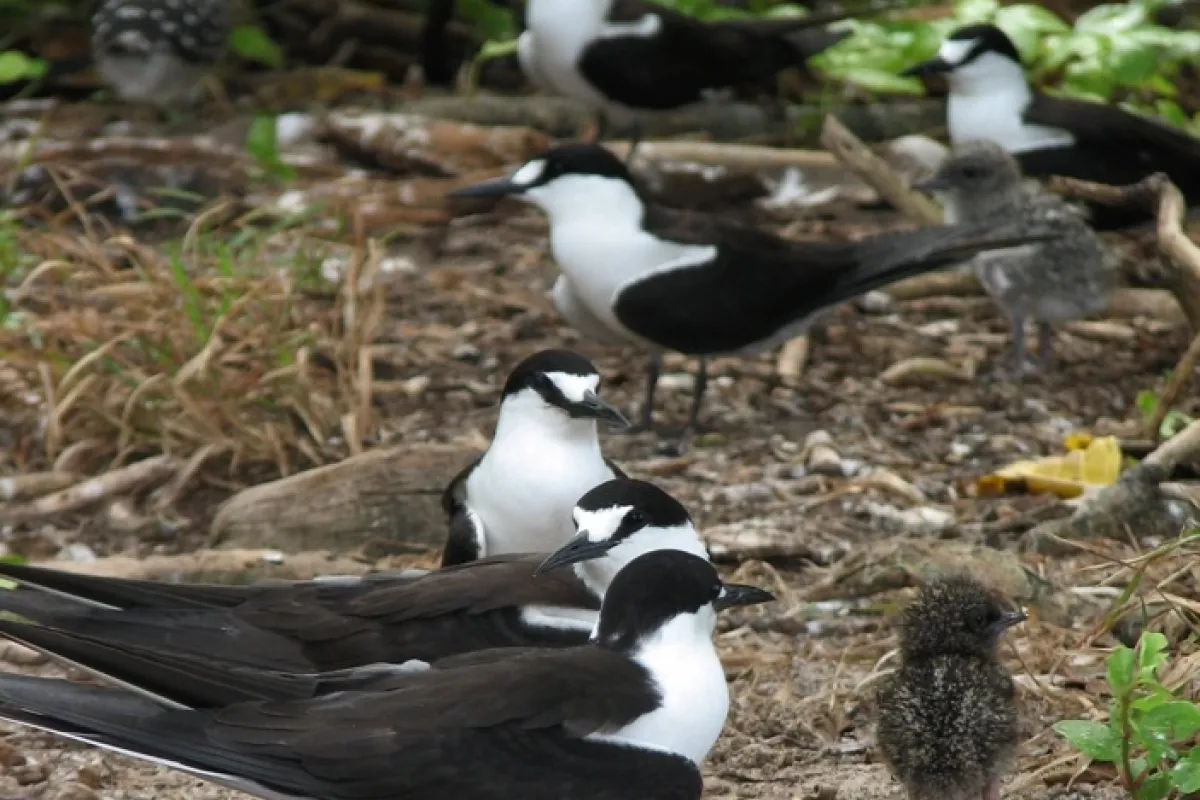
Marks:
<point>631,713</point>
<point>1051,282</point>
<point>157,51</point>
<point>990,98</point>
<point>627,58</point>
<point>947,717</point>
<point>636,273</point>
<point>517,497</point>
<point>206,646</point>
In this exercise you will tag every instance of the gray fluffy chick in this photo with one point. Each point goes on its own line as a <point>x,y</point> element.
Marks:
<point>157,51</point>
<point>1052,282</point>
<point>947,718</point>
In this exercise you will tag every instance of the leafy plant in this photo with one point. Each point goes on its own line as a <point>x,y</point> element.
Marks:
<point>16,66</point>
<point>1173,421</point>
<point>1146,724</point>
<point>263,144</point>
<point>253,44</point>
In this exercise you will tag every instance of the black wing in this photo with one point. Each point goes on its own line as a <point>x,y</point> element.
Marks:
<point>466,538</point>
<point>500,730</point>
<point>685,58</point>
<point>1112,145</point>
<point>759,284</point>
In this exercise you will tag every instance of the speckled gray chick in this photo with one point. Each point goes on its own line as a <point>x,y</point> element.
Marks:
<point>157,51</point>
<point>1065,278</point>
<point>947,718</point>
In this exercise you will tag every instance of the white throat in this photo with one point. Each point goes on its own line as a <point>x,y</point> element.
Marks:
<point>683,663</point>
<point>540,462</point>
<point>988,97</point>
<point>598,573</point>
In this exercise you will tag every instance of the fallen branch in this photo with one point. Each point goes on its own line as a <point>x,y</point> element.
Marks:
<point>1170,393</point>
<point>877,173</point>
<point>118,481</point>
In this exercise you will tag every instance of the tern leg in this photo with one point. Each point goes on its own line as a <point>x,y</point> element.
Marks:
<point>698,393</point>
<point>992,790</point>
<point>1045,343</point>
<point>601,127</point>
<point>1020,358</point>
<point>634,140</point>
<point>646,417</point>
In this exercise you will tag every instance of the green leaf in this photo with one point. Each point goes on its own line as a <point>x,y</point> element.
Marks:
<point>252,43</point>
<point>1147,403</point>
<point>1186,774</point>
<point>1119,670</point>
<point>16,66</point>
<point>1152,654</point>
<point>1176,720</point>
<point>882,81</point>
<point>263,145</point>
<point>1154,787</point>
<point>1133,66</point>
<point>1095,740</point>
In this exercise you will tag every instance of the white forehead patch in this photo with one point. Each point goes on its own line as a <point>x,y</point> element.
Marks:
<point>530,173</point>
<point>600,524</point>
<point>644,27</point>
<point>574,387</point>
<point>954,51</point>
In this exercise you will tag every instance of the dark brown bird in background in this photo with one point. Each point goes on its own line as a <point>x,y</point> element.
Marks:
<point>947,718</point>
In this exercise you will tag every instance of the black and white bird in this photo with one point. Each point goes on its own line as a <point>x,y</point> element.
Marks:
<point>517,497</point>
<point>158,51</point>
<point>991,99</point>
<point>203,646</point>
<point>1049,283</point>
<point>947,717</point>
<point>630,58</point>
<point>631,713</point>
<point>635,273</point>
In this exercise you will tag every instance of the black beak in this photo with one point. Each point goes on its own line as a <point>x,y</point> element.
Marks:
<point>580,548</point>
<point>933,66</point>
<point>591,406</point>
<point>739,594</point>
<point>500,187</point>
<point>931,185</point>
<point>1007,621</point>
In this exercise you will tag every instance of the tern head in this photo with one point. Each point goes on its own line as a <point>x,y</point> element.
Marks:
<point>558,388</point>
<point>618,521</point>
<point>571,181</point>
<point>955,615</point>
<point>657,588</point>
<point>978,174</point>
<point>974,58</point>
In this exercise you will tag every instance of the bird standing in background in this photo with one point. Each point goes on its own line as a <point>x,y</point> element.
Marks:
<point>947,718</point>
<point>636,273</point>
<point>990,98</point>
<point>630,58</point>
<point>518,496</point>
<point>158,51</point>
<point>204,646</point>
<point>1066,278</point>
<point>632,713</point>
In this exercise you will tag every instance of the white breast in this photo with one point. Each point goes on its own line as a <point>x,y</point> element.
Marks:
<point>524,491</point>
<point>558,31</point>
<point>987,98</point>
<point>695,699</point>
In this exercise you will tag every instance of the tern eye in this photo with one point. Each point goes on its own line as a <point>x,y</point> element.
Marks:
<point>637,519</point>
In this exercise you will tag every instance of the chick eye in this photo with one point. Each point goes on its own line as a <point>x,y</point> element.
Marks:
<point>973,173</point>
<point>637,519</point>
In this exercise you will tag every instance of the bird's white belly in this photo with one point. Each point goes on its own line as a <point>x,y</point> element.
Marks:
<point>997,118</point>
<point>599,260</point>
<point>538,490</point>
<point>558,31</point>
<point>579,317</point>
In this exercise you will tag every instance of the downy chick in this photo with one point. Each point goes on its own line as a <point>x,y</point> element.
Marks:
<point>947,718</point>
<point>1050,282</point>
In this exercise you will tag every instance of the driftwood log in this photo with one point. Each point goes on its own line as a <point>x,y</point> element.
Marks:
<point>388,500</point>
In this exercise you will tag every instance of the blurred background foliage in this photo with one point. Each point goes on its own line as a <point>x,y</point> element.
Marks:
<point>1125,53</point>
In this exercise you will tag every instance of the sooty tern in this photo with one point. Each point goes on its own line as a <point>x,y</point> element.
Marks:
<point>517,497</point>
<point>206,646</point>
<point>157,51</point>
<point>627,58</point>
<point>631,713</point>
<point>636,273</point>
<point>991,99</point>
<point>1050,282</point>
<point>947,722</point>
